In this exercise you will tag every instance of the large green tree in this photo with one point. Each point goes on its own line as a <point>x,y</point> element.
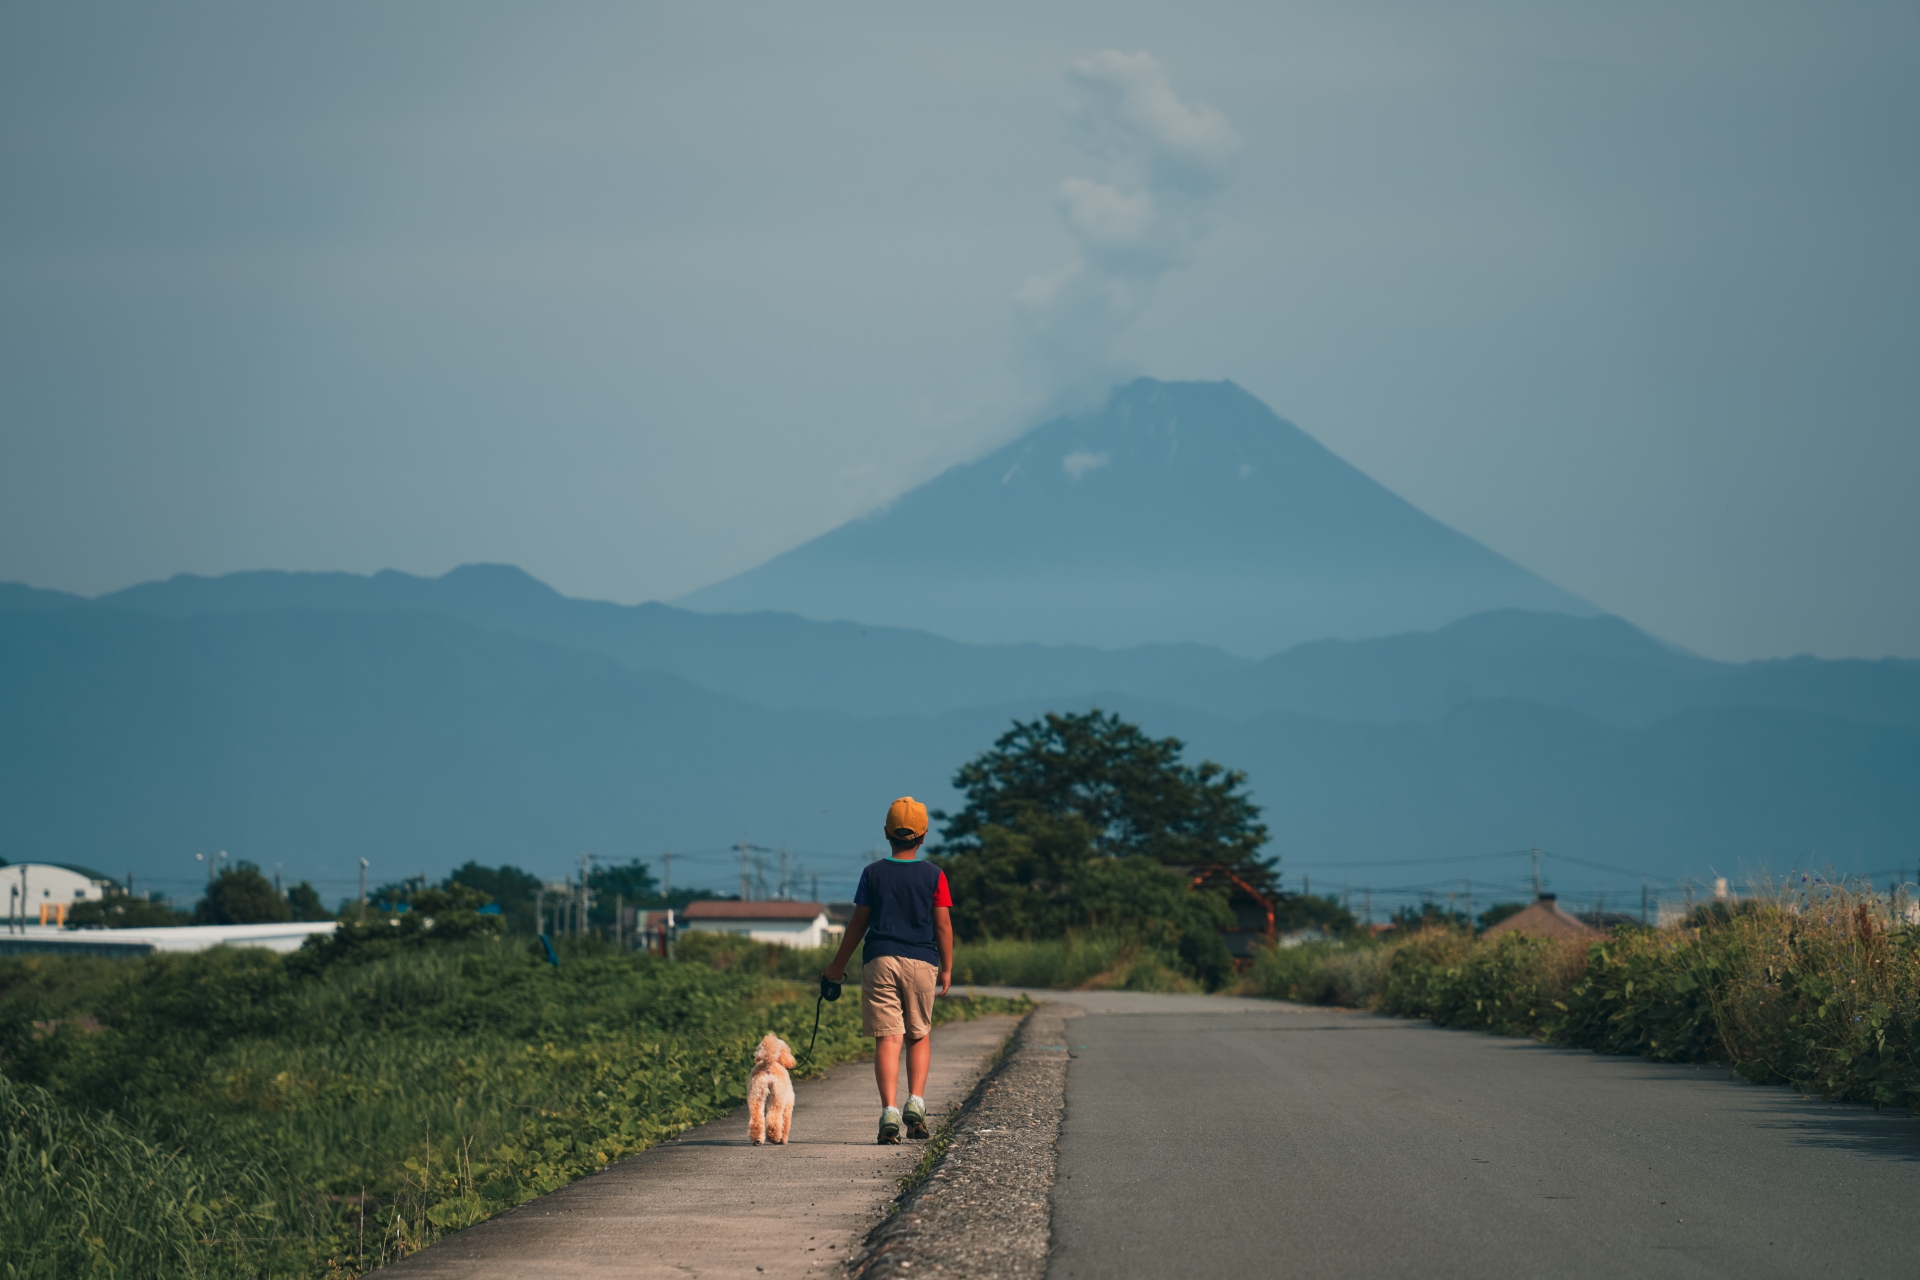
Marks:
<point>513,889</point>
<point>1137,795</point>
<point>1040,876</point>
<point>240,894</point>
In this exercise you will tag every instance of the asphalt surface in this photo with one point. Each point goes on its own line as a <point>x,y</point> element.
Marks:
<point>1203,1138</point>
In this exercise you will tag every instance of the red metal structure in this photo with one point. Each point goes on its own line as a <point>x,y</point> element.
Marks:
<point>1254,924</point>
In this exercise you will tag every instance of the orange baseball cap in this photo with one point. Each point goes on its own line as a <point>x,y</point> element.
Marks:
<point>906,819</point>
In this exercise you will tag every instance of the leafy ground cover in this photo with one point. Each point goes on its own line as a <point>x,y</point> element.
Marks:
<point>1818,989</point>
<point>238,1113</point>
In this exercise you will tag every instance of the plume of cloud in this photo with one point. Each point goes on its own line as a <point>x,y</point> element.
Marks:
<point>1160,163</point>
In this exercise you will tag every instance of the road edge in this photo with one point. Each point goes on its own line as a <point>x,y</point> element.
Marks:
<point>985,1207</point>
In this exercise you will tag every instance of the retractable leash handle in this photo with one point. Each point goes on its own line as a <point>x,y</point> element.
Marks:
<point>829,990</point>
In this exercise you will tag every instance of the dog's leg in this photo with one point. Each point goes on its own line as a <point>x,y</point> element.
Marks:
<point>784,1101</point>
<point>756,1108</point>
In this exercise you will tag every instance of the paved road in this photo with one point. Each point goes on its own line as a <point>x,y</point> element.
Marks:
<point>1207,1138</point>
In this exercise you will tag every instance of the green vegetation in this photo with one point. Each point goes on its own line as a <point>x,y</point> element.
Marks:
<point>1069,843</point>
<point>732,953</point>
<point>240,894</point>
<point>236,1112</point>
<point>1074,961</point>
<point>1819,990</point>
<point>124,911</point>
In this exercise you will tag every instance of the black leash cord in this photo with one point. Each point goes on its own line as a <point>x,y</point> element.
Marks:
<point>829,990</point>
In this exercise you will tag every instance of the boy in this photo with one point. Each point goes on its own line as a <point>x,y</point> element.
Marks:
<point>903,908</point>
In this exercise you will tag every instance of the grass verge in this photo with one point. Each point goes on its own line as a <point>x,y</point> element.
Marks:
<point>271,1115</point>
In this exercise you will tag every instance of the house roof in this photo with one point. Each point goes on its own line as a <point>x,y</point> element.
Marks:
<point>709,909</point>
<point>1544,919</point>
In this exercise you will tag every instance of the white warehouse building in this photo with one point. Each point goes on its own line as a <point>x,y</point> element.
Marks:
<point>30,887</point>
<point>790,924</point>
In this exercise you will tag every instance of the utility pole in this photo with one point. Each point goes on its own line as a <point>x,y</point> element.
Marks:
<point>666,874</point>
<point>1470,915</point>
<point>759,878</point>
<point>363,891</point>
<point>745,851</point>
<point>816,888</point>
<point>1306,886</point>
<point>785,888</point>
<point>580,921</point>
<point>1536,873</point>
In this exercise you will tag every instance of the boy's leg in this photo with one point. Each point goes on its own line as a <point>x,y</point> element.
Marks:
<point>919,1060</point>
<point>886,1069</point>
<point>880,1018</point>
<point>917,1015</point>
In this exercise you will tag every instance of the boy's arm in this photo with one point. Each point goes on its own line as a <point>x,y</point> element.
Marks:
<point>856,930</point>
<point>943,931</point>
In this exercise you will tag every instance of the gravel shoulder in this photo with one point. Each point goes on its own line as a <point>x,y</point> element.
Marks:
<point>983,1210</point>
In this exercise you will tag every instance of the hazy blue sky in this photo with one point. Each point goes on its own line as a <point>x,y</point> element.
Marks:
<point>635,296</point>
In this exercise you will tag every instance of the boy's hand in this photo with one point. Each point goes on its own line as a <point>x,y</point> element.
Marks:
<point>944,981</point>
<point>836,972</point>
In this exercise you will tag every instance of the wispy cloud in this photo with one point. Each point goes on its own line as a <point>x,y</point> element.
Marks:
<point>1160,162</point>
<point>1079,463</point>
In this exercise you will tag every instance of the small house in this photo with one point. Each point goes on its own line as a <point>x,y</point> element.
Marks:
<point>1544,919</point>
<point>787,924</point>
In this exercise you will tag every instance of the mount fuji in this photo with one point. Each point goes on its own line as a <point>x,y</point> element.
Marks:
<point>1177,512</point>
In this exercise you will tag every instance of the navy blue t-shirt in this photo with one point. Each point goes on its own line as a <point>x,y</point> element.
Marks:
<point>900,896</point>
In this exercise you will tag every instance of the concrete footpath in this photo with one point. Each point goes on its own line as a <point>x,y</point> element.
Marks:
<point>708,1204</point>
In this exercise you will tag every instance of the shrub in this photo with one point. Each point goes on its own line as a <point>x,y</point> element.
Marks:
<point>1076,961</point>
<point>1511,984</point>
<point>1819,990</point>
<point>735,953</point>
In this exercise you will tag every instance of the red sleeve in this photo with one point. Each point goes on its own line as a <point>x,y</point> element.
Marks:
<point>942,896</point>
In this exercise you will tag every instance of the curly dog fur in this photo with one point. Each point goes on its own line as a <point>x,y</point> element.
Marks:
<point>770,1092</point>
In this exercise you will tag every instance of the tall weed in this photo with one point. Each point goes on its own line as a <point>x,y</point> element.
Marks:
<point>1818,989</point>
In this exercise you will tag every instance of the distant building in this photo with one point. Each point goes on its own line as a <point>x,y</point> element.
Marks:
<point>43,892</point>
<point>283,936</point>
<point>789,924</point>
<point>1544,919</point>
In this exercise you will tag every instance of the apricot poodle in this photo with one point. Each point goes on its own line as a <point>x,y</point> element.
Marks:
<point>770,1092</point>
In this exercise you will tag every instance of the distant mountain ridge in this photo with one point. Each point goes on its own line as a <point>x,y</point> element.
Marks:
<point>1602,667</point>
<point>311,738</point>
<point>1178,512</point>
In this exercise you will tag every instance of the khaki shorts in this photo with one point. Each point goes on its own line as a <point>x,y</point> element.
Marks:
<point>896,997</point>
